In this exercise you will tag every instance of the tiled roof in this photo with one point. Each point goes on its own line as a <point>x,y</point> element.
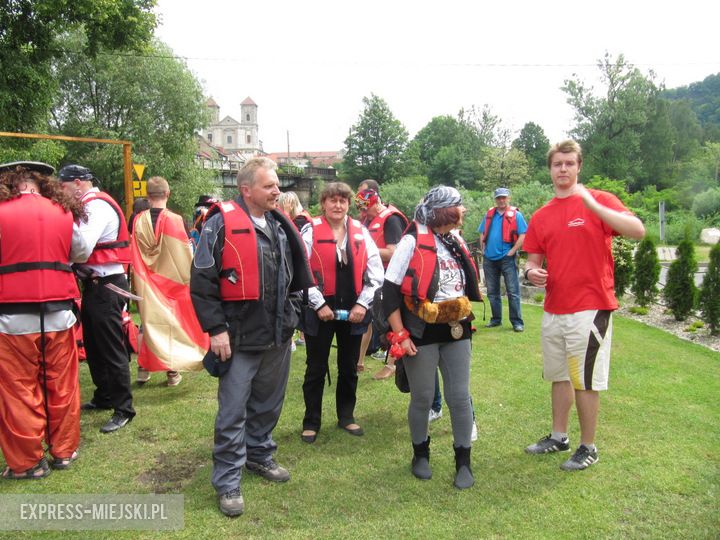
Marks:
<point>248,101</point>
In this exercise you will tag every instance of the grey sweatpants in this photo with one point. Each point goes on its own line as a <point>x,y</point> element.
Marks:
<point>250,398</point>
<point>453,358</point>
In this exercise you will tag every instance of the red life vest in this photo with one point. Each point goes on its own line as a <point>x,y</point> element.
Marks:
<point>240,278</point>
<point>421,268</point>
<point>35,242</point>
<point>509,224</point>
<point>115,251</point>
<point>323,259</point>
<point>376,227</point>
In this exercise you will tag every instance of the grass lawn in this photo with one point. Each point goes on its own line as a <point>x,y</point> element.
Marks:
<point>658,474</point>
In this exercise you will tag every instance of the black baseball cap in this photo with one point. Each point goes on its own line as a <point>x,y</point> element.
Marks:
<point>38,166</point>
<point>70,172</point>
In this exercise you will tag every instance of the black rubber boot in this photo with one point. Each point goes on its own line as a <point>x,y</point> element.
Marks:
<point>463,474</point>
<point>421,460</point>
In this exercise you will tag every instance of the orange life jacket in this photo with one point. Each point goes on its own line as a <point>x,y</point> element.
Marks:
<point>240,278</point>
<point>115,251</point>
<point>376,227</point>
<point>509,224</point>
<point>35,243</point>
<point>323,259</point>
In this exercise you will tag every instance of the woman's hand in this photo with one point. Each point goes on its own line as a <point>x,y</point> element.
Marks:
<point>408,347</point>
<point>357,314</point>
<point>325,313</point>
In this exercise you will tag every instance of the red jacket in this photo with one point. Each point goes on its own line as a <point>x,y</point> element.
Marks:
<point>509,224</point>
<point>117,251</point>
<point>323,259</point>
<point>35,242</point>
<point>240,278</point>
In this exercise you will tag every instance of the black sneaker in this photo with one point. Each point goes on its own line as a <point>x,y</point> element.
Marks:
<point>232,503</point>
<point>269,470</point>
<point>547,445</point>
<point>581,459</point>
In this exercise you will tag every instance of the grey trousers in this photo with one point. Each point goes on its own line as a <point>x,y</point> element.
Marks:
<point>453,358</point>
<point>250,398</point>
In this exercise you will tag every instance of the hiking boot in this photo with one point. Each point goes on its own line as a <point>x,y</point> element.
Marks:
<point>143,375</point>
<point>434,415</point>
<point>463,472</point>
<point>581,459</point>
<point>269,470</point>
<point>232,503</point>
<point>547,445</point>
<point>421,460</point>
<point>173,378</point>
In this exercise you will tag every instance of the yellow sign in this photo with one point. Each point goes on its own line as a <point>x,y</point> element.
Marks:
<point>139,170</point>
<point>139,188</point>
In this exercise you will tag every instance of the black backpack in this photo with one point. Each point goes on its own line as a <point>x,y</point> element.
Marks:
<point>380,323</point>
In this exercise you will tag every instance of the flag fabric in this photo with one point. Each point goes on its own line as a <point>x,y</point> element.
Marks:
<point>172,339</point>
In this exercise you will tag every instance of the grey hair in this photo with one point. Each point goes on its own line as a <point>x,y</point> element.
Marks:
<point>246,175</point>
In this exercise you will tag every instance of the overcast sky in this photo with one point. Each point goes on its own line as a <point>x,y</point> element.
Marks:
<point>308,64</point>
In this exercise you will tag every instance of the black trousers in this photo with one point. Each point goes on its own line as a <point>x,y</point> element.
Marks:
<point>318,352</point>
<point>104,339</point>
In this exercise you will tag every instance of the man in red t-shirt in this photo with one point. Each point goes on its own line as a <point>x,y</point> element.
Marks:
<point>573,234</point>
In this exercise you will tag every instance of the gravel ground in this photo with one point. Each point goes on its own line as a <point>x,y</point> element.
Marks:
<point>658,317</point>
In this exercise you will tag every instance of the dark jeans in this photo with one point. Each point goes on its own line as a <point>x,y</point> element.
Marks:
<point>437,400</point>
<point>104,340</point>
<point>318,352</point>
<point>507,267</point>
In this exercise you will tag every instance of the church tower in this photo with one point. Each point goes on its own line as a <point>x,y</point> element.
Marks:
<point>249,125</point>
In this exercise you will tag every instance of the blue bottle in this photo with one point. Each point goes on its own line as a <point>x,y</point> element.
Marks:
<point>342,314</point>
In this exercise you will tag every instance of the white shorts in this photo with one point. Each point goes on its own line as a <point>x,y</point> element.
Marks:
<point>576,348</point>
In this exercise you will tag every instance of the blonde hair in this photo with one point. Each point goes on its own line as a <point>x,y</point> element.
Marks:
<point>565,147</point>
<point>246,175</point>
<point>157,188</point>
<point>290,198</point>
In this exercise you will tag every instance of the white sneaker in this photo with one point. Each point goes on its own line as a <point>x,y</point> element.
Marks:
<point>293,347</point>
<point>473,433</point>
<point>432,416</point>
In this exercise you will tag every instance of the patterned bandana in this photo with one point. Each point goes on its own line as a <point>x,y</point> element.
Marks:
<point>366,198</point>
<point>437,197</point>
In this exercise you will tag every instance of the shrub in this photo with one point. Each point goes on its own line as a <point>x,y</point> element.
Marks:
<point>539,298</point>
<point>707,203</point>
<point>680,291</point>
<point>710,292</point>
<point>646,274</point>
<point>637,310</point>
<point>622,253</point>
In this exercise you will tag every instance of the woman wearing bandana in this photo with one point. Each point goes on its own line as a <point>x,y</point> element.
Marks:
<point>428,286</point>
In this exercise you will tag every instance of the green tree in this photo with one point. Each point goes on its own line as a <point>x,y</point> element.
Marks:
<point>30,31</point>
<point>152,100</point>
<point>646,273</point>
<point>622,249</point>
<point>376,143</point>
<point>503,167</point>
<point>680,291</point>
<point>710,292</point>
<point>707,203</point>
<point>534,144</point>
<point>611,127</point>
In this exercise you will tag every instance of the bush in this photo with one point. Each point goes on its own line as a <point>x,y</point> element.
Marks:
<point>710,292</point>
<point>637,310</point>
<point>622,253</point>
<point>680,291</point>
<point>646,274</point>
<point>707,203</point>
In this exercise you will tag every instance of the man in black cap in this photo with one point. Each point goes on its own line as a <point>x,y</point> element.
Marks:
<point>107,357</point>
<point>201,208</point>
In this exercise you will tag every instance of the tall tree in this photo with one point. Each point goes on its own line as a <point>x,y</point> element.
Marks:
<point>29,34</point>
<point>611,127</point>
<point>503,167</point>
<point>376,143</point>
<point>534,144</point>
<point>152,100</point>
